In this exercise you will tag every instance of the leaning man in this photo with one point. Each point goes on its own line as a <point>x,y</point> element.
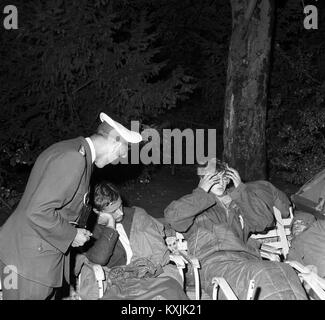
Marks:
<point>36,238</point>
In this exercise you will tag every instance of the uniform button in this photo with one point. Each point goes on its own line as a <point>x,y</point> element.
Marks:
<point>40,248</point>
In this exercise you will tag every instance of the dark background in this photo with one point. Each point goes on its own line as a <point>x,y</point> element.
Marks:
<point>163,62</point>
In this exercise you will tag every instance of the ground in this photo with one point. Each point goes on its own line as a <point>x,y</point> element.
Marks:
<point>163,188</point>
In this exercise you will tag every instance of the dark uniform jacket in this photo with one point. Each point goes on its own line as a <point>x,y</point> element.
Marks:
<point>37,236</point>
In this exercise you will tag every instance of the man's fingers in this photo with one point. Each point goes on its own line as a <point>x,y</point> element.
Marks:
<point>75,244</point>
<point>86,238</point>
<point>214,181</point>
<point>207,177</point>
<point>230,175</point>
<point>87,233</point>
<point>215,177</point>
<point>233,172</point>
<point>234,176</point>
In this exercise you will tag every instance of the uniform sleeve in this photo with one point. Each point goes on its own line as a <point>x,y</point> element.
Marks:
<point>102,249</point>
<point>56,188</point>
<point>180,214</point>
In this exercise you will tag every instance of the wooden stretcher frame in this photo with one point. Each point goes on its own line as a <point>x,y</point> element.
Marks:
<point>310,277</point>
<point>282,231</point>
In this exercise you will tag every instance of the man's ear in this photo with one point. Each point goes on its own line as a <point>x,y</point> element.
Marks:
<point>117,145</point>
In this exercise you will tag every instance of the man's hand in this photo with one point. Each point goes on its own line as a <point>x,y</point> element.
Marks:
<point>110,221</point>
<point>298,226</point>
<point>81,237</point>
<point>105,219</point>
<point>320,205</point>
<point>208,181</point>
<point>234,176</point>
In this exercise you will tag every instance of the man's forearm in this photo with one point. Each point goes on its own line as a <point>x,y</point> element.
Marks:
<point>181,213</point>
<point>104,246</point>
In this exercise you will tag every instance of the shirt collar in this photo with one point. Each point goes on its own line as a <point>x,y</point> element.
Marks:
<point>92,149</point>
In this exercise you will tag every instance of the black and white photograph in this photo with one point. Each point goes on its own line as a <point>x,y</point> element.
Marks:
<point>162,150</point>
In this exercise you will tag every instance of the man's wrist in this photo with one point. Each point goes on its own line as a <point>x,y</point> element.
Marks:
<point>202,189</point>
<point>111,224</point>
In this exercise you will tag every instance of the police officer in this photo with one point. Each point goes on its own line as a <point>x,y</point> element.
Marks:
<point>36,238</point>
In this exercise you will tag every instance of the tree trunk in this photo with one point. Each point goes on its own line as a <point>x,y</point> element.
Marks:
<point>246,91</point>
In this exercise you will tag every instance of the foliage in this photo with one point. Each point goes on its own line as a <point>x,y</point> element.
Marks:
<point>138,58</point>
<point>297,151</point>
<point>199,34</point>
<point>70,60</point>
<point>194,35</point>
<point>295,132</point>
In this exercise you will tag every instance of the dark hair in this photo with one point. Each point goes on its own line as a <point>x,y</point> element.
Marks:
<point>104,129</point>
<point>221,165</point>
<point>104,194</point>
<point>213,165</point>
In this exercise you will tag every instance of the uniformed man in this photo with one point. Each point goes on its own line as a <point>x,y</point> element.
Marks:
<point>36,238</point>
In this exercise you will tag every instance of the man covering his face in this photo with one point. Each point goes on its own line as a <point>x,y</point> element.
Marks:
<point>217,220</point>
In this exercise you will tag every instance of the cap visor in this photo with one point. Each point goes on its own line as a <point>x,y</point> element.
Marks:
<point>126,134</point>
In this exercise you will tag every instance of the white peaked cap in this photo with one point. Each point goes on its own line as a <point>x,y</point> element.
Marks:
<point>126,134</point>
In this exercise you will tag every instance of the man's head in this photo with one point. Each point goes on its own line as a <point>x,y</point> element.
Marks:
<point>111,141</point>
<point>218,169</point>
<point>107,200</point>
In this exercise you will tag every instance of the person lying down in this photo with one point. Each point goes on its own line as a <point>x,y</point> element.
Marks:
<point>130,246</point>
<point>217,219</point>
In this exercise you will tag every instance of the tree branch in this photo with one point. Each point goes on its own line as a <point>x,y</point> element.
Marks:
<point>82,86</point>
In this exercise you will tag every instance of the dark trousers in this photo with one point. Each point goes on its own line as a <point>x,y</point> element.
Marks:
<point>16,287</point>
